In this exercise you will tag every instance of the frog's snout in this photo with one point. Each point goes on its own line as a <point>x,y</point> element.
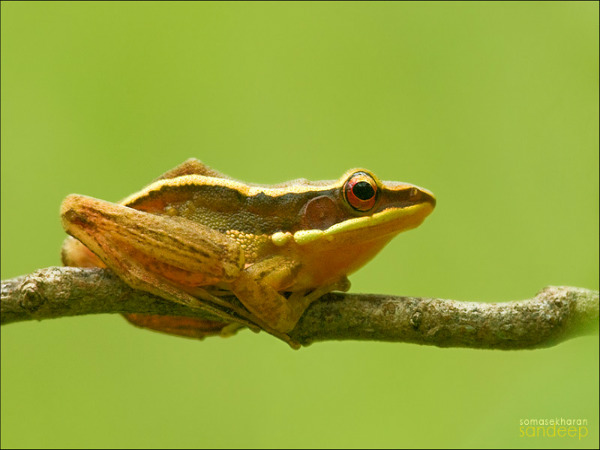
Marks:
<point>427,196</point>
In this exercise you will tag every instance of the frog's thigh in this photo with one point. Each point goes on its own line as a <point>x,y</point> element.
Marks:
<point>165,256</point>
<point>182,250</point>
<point>75,254</point>
<point>257,288</point>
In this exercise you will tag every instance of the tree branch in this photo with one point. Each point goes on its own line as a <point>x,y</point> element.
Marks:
<point>553,316</point>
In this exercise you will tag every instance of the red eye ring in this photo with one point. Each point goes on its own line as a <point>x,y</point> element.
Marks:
<point>361,191</point>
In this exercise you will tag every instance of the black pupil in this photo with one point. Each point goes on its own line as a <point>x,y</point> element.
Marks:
<point>363,190</point>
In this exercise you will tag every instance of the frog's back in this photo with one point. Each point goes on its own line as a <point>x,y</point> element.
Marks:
<point>224,204</point>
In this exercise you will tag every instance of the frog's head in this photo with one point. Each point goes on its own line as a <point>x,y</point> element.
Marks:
<point>360,207</point>
<point>341,225</point>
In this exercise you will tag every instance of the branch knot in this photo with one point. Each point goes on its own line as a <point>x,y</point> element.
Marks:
<point>30,298</point>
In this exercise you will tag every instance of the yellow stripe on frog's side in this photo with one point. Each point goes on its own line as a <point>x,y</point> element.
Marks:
<point>242,188</point>
<point>307,236</point>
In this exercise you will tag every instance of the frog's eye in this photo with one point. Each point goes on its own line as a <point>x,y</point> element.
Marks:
<point>361,191</point>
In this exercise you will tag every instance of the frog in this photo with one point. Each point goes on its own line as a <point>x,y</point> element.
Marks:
<point>199,238</point>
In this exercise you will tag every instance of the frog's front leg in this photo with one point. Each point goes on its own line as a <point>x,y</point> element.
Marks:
<point>258,287</point>
<point>166,256</point>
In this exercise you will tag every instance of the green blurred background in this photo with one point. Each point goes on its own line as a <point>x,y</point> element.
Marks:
<point>492,106</point>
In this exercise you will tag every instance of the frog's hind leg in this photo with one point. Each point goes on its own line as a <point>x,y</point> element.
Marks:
<point>167,257</point>
<point>139,277</point>
<point>183,326</point>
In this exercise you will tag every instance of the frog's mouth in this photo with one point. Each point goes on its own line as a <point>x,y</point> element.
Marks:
<point>391,220</point>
